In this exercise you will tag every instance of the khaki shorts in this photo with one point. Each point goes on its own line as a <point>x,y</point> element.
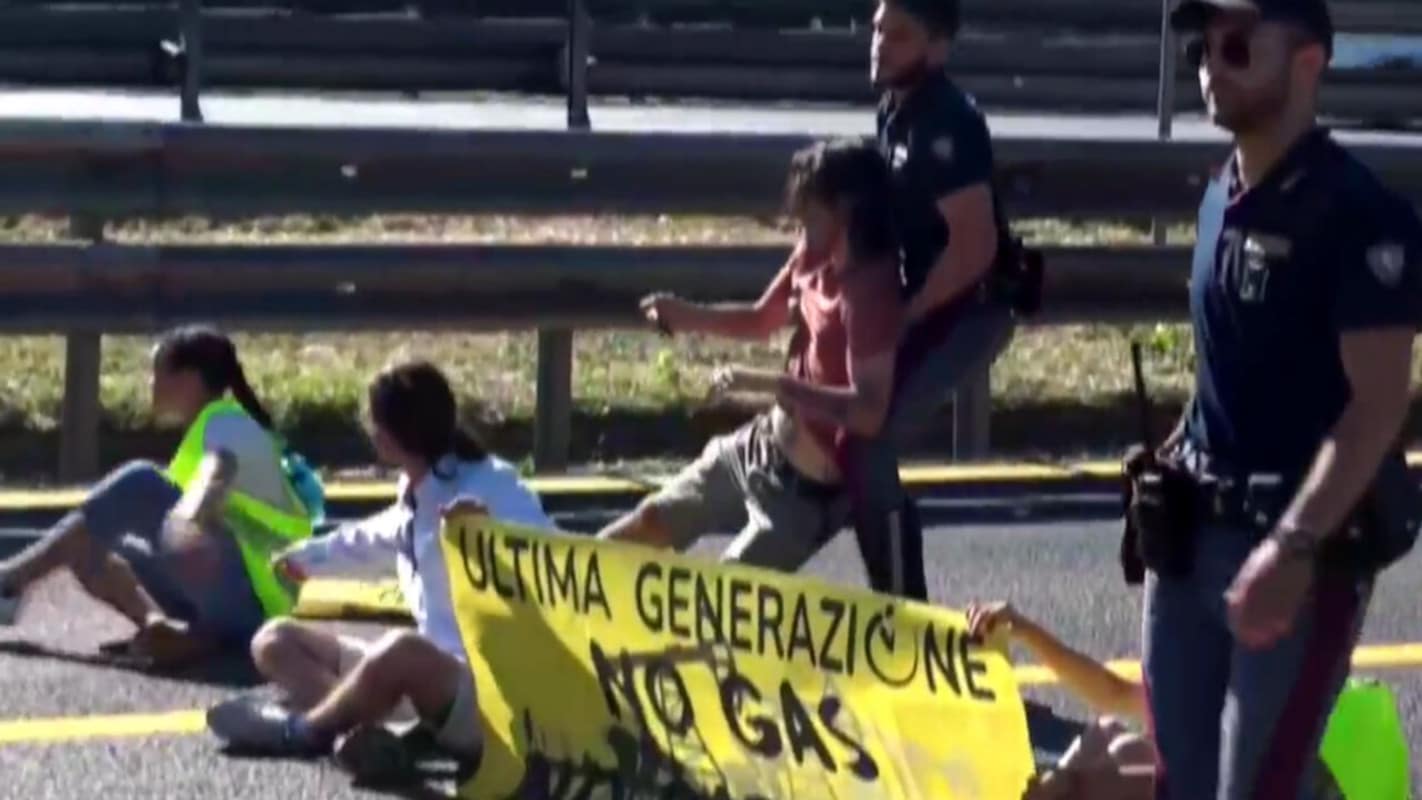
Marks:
<point>742,484</point>
<point>460,732</point>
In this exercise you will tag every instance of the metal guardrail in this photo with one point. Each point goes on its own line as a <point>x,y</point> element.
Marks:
<point>1013,54</point>
<point>144,169</point>
<point>99,172</point>
<point>116,288</point>
<point>95,172</point>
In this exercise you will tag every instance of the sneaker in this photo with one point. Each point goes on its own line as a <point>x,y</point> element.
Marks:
<point>253,725</point>
<point>373,754</point>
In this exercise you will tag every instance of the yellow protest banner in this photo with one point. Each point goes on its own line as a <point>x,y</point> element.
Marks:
<point>608,670</point>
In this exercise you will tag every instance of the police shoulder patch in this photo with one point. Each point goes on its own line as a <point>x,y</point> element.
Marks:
<point>1387,261</point>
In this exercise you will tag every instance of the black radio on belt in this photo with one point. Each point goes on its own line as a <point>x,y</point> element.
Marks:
<point>1162,515</point>
<point>1161,503</point>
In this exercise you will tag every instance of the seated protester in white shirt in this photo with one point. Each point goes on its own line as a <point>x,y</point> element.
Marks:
<point>182,550</point>
<point>339,691</point>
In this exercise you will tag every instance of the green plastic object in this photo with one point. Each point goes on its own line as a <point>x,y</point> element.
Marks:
<point>1365,746</point>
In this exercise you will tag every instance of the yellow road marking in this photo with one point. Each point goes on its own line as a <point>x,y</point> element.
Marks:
<point>593,485</point>
<point>112,726</point>
<point>177,723</point>
<point>1368,656</point>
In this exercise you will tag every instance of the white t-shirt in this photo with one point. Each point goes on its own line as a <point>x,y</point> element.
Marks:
<point>380,544</point>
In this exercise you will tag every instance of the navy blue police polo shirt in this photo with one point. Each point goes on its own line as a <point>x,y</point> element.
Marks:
<point>1317,249</point>
<point>937,143</point>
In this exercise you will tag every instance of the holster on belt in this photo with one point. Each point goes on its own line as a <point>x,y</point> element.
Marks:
<point>1161,503</point>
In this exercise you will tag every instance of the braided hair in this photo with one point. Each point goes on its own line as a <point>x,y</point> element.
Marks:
<point>211,354</point>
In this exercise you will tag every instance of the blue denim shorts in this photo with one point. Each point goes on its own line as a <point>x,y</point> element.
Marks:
<point>124,514</point>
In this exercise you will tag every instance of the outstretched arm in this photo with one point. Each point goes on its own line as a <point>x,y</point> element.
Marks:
<point>755,321</point>
<point>1099,687</point>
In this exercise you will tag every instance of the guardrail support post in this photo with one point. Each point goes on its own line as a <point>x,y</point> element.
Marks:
<point>1165,92</point>
<point>972,416</point>
<point>79,419</point>
<point>553,418</point>
<point>1165,97</point>
<point>190,33</point>
<point>579,31</point>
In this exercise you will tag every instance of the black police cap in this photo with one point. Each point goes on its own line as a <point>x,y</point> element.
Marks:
<point>1310,15</point>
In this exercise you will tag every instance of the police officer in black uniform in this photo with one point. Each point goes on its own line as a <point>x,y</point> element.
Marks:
<point>937,142</point>
<point>1285,489</point>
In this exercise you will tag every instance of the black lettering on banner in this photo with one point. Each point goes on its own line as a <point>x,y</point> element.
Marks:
<point>660,672</point>
<point>481,582</point>
<point>943,659</point>
<point>800,636</point>
<point>517,546</point>
<point>880,649</point>
<point>593,593</point>
<point>534,566</point>
<point>772,612</point>
<point>505,591</point>
<point>835,608</point>
<point>705,611</point>
<point>973,667</point>
<point>853,646</point>
<point>564,585</point>
<point>615,680</point>
<point>766,742</point>
<point>640,768</point>
<point>864,766</point>
<point>800,729</point>
<point>739,614</point>
<point>678,580</point>
<point>649,607</point>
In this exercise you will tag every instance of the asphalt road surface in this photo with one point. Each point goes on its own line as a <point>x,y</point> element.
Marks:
<point>1064,574</point>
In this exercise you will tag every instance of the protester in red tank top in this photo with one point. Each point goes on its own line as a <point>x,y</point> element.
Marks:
<point>777,480</point>
<point>846,313</point>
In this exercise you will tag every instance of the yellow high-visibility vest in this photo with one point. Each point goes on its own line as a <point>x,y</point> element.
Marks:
<point>260,529</point>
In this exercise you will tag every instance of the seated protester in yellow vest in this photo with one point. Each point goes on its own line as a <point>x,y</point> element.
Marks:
<point>1113,759</point>
<point>183,553</point>
<point>339,691</point>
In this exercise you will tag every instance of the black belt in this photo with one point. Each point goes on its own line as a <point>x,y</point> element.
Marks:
<point>1254,500</point>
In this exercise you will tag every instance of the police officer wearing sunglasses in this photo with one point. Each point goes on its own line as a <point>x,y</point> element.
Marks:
<point>1265,518</point>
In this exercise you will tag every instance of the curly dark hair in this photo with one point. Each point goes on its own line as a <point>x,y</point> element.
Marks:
<point>412,401</point>
<point>853,176</point>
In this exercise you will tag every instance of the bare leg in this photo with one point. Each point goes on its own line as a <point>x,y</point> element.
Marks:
<point>64,545</point>
<point>104,576</point>
<point>1093,747</point>
<point>109,579</point>
<point>642,526</point>
<point>302,660</point>
<point>1132,750</point>
<point>402,664</point>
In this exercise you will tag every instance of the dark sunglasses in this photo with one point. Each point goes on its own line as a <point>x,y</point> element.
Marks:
<point>1234,50</point>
